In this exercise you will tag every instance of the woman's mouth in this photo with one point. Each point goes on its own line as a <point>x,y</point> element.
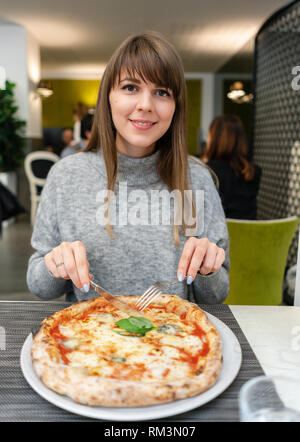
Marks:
<point>142,124</point>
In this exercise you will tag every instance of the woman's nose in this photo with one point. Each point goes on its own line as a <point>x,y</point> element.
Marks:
<point>145,102</point>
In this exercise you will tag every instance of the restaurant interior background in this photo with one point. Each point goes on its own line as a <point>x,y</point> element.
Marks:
<point>64,46</point>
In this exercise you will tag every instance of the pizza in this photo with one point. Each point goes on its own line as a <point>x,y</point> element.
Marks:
<point>97,355</point>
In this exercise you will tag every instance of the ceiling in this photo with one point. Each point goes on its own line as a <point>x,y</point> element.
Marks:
<point>79,36</point>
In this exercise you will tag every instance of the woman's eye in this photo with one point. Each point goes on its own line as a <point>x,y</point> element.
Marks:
<point>163,93</point>
<point>129,87</point>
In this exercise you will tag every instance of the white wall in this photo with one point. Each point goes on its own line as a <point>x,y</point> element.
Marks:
<point>20,57</point>
<point>13,59</point>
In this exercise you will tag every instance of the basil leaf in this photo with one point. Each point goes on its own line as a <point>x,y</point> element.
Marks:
<point>135,324</point>
<point>128,326</point>
<point>141,322</point>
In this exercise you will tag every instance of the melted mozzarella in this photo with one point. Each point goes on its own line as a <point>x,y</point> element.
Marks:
<point>84,359</point>
<point>171,352</point>
<point>105,317</point>
<point>71,343</point>
<point>67,331</point>
<point>94,343</point>
<point>192,343</point>
<point>177,341</point>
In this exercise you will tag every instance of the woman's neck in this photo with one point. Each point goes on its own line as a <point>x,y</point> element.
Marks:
<point>133,151</point>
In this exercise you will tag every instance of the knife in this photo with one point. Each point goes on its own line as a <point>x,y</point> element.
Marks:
<point>123,306</point>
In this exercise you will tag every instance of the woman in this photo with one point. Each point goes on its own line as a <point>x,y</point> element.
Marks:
<point>226,154</point>
<point>94,217</point>
<point>79,112</point>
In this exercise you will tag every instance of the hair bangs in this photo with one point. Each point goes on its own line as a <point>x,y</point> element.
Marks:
<point>140,59</point>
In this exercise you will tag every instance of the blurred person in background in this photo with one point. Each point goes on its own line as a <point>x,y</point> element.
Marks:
<point>85,133</point>
<point>67,136</point>
<point>66,140</point>
<point>226,154</point>
<point>79,111</point>
<point>86,128</point>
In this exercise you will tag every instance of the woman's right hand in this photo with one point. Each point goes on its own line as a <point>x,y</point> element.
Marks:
<point>69,261</point>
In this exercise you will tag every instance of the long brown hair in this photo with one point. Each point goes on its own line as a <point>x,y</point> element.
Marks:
<point>227,141</point>
<point>150,57</point>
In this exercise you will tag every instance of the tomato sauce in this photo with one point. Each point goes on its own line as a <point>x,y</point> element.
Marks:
<point>63,352</point>
<point>167,371</point>
<point>202,336</point>
<point>56,334</point>
<point>95,308</point>
<point>183,316</point>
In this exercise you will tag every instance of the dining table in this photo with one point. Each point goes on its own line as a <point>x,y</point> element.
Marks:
<point>269,338</point>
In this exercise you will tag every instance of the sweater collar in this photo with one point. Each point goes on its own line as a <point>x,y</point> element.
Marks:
<point>135,171</point>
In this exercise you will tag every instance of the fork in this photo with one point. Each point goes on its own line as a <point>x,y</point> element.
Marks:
<point>152,293</point>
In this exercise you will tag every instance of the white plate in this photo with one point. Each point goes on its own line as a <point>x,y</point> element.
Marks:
<point>232,359</point>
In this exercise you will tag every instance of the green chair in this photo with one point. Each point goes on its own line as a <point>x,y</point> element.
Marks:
<point>258,255</point>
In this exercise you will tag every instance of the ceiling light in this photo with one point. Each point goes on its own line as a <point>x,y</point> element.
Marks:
<point>44,89</point>
<point>237,93</point>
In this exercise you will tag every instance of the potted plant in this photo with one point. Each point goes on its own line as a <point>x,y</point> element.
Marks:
<point>11,138</point>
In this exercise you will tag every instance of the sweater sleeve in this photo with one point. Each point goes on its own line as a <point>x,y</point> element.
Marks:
<point>213,288</point>
<point>44,238</point>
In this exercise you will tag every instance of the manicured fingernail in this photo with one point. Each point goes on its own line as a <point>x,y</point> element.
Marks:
<point>180,277</point>
<point>189,280</point>
<point>86,288</point>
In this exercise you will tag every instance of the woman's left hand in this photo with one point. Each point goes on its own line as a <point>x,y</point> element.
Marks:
<point>199,255</point>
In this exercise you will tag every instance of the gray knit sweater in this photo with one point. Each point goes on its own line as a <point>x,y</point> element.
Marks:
<point>140,253</point>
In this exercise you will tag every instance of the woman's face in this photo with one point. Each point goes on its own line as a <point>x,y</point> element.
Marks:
<point>142,113</point>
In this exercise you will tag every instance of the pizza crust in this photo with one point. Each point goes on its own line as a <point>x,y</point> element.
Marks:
<point>104,391</point>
